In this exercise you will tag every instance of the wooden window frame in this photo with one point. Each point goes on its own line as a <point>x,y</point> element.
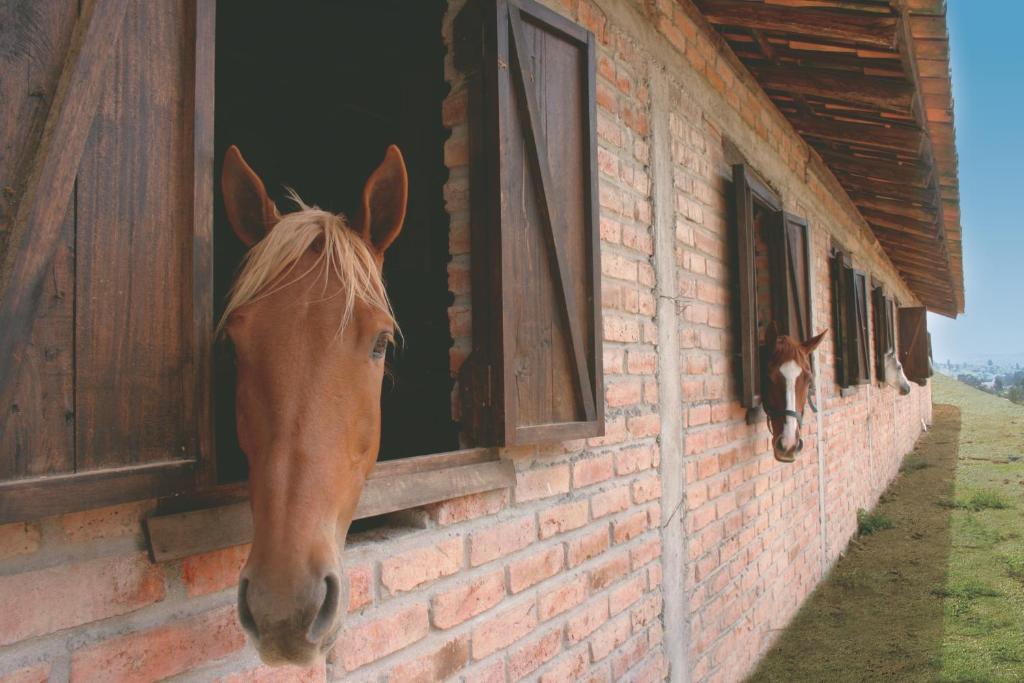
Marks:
<point>188,488</point>
<point>221,517</point>
<point>885,335</point>
<point>748,189</point>
<point>851,341</point>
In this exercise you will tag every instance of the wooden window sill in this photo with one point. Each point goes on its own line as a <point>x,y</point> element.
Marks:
<point>392,486</point>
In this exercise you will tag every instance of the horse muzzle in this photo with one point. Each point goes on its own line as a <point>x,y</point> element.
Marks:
<point>784,454</point>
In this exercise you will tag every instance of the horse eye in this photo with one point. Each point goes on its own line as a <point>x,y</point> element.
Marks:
<point>380,346</point>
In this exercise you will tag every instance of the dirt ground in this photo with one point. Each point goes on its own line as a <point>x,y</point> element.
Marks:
<point>939,595</point>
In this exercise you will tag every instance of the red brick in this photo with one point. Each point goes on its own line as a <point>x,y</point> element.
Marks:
<point>642,362</point>
<point>647,489</point>
<point>532,570</point>
<point>564,597</point>
<point>369,641</point>
<point>213,571</point>
<point>37,673</point>
<point>644,553</point>
<point>279,674</point>
<point>593,544</point>
<point>633,460</point>
<point>503,629</point>
<point>625,595</point>
<point>528,658</point>
<point>641,426</point>
<point>592,470</point>
<point>360,586</point>
<point>569,668</point>
<point>161,652</point>
<point>415,567</point>
<point>492,672</point>
<point>439,665</point>
<point>588,621</point>
<point>562,518</point>
<point>542,483</point>
<point>609,572</point>
<point>20,538</point>
<point>468,600</point>
<point>606,639</point>
<point>623,393</point>
<point>107,522</point>
<point>48,600</point>
<point>468,507</point>
<point>609,502</point>
<point>626,657</point>
<point>500,540</point>
<point>629,528</point>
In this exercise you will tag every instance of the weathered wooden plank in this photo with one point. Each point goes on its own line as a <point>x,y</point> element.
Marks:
<point>134,377</point>
<point>44,204</point>
<point>859,29</point>
<point>182,534</point>
<point>899,138</point>
<point>27,499</point>
<point>886,94</point>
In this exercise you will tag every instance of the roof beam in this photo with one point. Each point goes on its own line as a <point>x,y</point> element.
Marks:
<point>899,138</point>
<point>883,93</point>
<point>873,31</point>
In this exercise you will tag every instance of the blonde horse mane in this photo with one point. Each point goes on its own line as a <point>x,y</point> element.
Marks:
<point>268,263</point>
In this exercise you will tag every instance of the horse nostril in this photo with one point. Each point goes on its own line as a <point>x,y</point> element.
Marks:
<point>799,445</point>
<point>244,614</point>
<point>777,443</point>
<point>328,610</point>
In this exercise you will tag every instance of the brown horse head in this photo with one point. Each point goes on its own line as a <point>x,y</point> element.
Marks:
<point>788,375</point>
<point>310,322</point>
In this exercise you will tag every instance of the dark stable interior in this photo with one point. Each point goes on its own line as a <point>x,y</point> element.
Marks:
<point>313,97</point>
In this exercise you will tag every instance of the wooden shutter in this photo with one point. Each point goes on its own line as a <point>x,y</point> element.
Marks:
<point>879,318</point>
<point>860,352</point>
<point>839,272</point>
<point>914,355</point>
<point>535,371</point>
<point>105,309</point>
<point>748,189</point>
<point>795,317</point>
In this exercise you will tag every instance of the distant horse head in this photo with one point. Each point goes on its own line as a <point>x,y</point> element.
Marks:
<point>788,376</point>
<point>310,323</point>
<point>894,375</point>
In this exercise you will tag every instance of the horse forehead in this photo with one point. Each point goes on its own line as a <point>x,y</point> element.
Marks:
<point>790,370</point>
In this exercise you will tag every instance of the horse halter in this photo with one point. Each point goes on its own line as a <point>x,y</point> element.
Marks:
<point>771,412</point>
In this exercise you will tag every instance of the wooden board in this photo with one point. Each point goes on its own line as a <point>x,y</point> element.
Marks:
<point>392,486</point>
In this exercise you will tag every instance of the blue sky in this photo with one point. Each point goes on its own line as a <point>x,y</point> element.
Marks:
<point>988,86</point>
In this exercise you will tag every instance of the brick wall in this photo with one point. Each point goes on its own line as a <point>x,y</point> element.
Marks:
<point>562,577</point>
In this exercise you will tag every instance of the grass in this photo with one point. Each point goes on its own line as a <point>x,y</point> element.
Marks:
<point>870,522</point>
<point>987,499</point>
<point>940,597</point>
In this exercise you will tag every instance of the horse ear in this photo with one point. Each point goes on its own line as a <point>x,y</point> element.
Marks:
<point>771,335</point>
<point>385,196</point>
<point>813,342</point>
<point>250,211</point>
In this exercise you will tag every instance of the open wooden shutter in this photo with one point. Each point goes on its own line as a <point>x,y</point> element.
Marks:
<point>104,312</point>
<point>748,189</point>
<point>860,351</point>
<point>839,272</point>
<point>879,319</point>
<point>914,354</point>
<point>535,371</point>
<point>796,315</point>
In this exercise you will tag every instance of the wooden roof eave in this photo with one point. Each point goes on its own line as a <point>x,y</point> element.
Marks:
<point>885,134</point>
